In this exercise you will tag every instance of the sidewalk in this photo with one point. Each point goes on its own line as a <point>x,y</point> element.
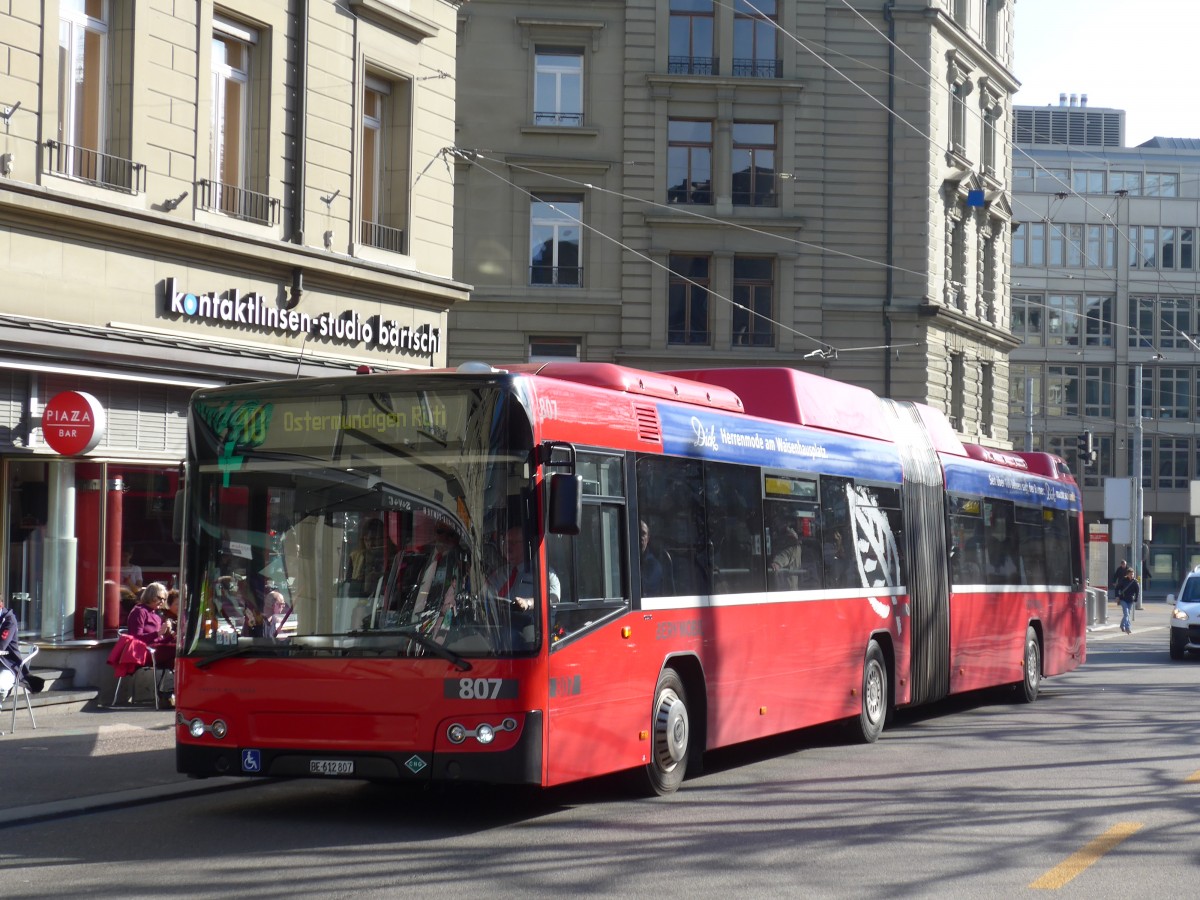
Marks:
<point>98,758</point>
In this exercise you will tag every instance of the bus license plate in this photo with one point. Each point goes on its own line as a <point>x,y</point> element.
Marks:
<point>331,766</point>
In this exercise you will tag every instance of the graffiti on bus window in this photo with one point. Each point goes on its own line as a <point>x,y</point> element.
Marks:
<point>876,551</point>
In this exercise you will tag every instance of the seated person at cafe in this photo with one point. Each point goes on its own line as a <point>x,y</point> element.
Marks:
<point>131,572</point>
<point>147,625</point>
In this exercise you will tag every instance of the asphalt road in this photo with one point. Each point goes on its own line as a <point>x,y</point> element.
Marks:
<point>1090,792</point>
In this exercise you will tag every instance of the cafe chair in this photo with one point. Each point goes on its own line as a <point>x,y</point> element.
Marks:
<point>129,657</point>
<point>21,687</point>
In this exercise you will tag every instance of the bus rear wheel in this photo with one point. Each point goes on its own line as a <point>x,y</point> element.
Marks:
<point>669,734</point>
<point>874,712</point>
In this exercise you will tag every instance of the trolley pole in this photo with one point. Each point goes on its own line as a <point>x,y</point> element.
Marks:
<point>1135,525</point>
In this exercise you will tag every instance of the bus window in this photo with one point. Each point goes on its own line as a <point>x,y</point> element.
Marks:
<point>735,527</point>
<point>670,496</point>
<point>966,540</point>
<point>792,535</point>
<point>1031,544</point>
<point>591,566</point>
<point>1001,530</point>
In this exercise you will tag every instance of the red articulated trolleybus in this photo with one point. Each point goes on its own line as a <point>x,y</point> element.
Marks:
<point>551,572</point>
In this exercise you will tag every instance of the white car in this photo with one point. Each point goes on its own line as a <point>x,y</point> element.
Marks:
<point>1185,618</point>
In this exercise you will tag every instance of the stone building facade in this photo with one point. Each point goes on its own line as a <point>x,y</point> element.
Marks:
<point>670,183</point>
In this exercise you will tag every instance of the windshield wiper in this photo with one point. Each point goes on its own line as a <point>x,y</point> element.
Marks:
<point>241,650</point>
<point>431,645</point>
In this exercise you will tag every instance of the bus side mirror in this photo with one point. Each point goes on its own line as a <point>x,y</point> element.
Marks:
<point>177,518</point>
<point>566,503</point>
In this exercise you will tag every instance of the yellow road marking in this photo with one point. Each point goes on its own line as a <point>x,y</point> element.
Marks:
<point>1194,777</point>
<point>1081,859</point>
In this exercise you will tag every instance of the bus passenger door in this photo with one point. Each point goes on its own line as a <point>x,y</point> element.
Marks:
<point>593,714</point>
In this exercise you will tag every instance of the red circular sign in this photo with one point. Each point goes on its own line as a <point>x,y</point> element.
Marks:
<point>73,423</point>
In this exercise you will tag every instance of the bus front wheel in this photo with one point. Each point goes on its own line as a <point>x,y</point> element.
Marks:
<point>874,710</point>
<point>669,734</point>
<point>1027,690</point>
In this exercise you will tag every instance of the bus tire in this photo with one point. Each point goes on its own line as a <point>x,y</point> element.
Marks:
<point>1027,690</point>
<point>874,712</point>
<point>669,734</point>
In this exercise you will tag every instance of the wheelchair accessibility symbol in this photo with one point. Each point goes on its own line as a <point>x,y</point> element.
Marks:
<point>251,761</point>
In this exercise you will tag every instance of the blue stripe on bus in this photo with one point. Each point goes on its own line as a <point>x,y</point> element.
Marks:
<point>705,435</point>
<point>980,478</point>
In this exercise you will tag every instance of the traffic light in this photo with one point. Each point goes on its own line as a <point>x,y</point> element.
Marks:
<point>1087,448</point>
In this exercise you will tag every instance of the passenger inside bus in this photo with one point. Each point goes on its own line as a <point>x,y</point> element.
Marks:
<point>786,560</point>
<point>654,575</point>
<point>368,561</point>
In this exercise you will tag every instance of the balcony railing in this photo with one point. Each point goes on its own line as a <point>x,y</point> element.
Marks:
<point>758,68</point>
<point>693,65</point>
<point>249,206</point>
<point>95,167</point>
<point>383,236</point>
<point>566,276</point>
<point>559,119</point>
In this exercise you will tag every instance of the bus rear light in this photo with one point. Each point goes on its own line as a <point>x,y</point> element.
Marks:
<point>484,732</point>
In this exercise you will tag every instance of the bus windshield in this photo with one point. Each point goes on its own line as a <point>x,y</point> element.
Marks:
<point>372,523</point>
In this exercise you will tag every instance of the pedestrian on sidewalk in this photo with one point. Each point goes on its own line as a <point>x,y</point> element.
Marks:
<point>1128,592</point>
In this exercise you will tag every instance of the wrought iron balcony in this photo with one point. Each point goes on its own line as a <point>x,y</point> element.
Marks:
<point>559,119</point>
<point>94,167</point>
<point>249,206</point>
<point>383,236</point>
<point>758,68</point>
<point>566,276</point>
<point>693,65</point>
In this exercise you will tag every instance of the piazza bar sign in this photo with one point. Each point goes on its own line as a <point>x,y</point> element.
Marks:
<point>73,423</point>
<point>252,310</point>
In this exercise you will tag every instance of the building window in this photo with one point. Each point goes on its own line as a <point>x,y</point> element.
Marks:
<point>687,299</point>
<point>956,288</point>
<point>991,25</point>
<point>689,161</point>
<point>1062,320</point>
<point>1187,245</point>
<point>690,44</point>
<point>1098,392</point>
<point>756,40</point>
<point>554,349</point>
<point>1062,391</point>
<point>753,297</point>
<point>1101,246</point>
<point>555,249</point>
<point>990,265</point>
<point>385,138</point>
<point>1173,471</point>
<point>958,391</point>
<point>94,77</point>
<point>1088,181</point>
<point>558,87</point>
<point>1026,318</point>
<point>990,115</point>
<point>1099,320</point>
<point>1130,182</point>
<point>1175,393</point>
<point>753,164</point>
<point>1161,184</point>
<point>1175,319</point>
<point>237,166</point>
<point>1051,181</point>
<point>1141,322</point>
<point>987,410</point>
<point>958,117</point>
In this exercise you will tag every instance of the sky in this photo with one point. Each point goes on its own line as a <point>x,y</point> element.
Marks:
<point>1135,55</point>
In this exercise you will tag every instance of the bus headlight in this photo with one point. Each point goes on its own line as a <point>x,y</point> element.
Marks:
<point>485,733</point>
<point>456,734</point>
<point>196,728</point>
